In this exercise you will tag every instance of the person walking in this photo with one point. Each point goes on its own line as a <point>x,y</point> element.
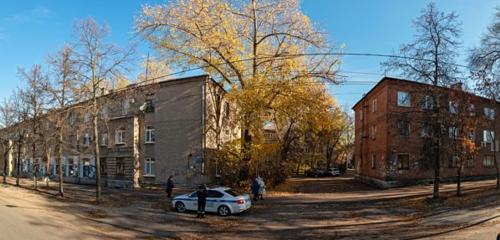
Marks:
<point>255,189</point>
<point>262,187</point>
<point>170,186</point>
<point>202,200</point>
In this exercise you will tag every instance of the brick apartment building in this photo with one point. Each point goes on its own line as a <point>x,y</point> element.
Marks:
<point>391,132</point>
<point>148,132</point>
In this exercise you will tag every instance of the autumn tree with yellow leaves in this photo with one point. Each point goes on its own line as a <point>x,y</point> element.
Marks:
<point>256,49</point>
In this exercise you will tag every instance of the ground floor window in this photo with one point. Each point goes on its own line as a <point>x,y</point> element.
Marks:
<point>403,161</point>
<point>488,161</point>
<point>104,167</point>
<point>88,170</point>
<point>373,160</point>
<point>120,167</point>
<point>149,167</point>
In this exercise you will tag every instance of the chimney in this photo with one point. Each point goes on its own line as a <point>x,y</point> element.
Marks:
<point>457,86</point>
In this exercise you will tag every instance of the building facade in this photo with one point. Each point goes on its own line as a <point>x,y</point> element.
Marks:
<point>147,133</point>
<point>392,133</point>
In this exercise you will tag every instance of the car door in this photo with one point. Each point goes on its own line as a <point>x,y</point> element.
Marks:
<point>213,200</point>
<point>192,203</point>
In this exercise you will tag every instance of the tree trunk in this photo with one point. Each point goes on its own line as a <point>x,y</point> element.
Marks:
<point>18,163</point>
<point>60,160</point>
<point>97,156</point>
<point>459,181</point>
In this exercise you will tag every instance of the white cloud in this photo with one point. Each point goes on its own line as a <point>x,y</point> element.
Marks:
<point>34,15</point>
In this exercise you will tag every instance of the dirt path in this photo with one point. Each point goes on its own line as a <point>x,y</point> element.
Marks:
<point>303,208</point>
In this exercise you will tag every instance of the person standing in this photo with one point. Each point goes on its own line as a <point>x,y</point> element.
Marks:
<point>170,186</point>
<point>202,200</point>
<point>262,187</point>
<point>255,189</point>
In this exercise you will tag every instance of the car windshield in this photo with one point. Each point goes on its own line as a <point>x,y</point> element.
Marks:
<point>232,192</point>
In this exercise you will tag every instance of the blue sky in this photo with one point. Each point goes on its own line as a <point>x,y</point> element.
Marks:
<point>30,30</point>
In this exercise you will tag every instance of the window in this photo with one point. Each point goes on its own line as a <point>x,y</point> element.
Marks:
<point>373,132</point>
<point>87,117</point>
<point>103,139</point>
<point>404,128</point>
<point>148,106</point>
<point>403,161</point>
<point>150,134</point>
<point>104,167</point>
<point>72,118</point>
<point>472,110</point>
<point>374,105</point>
<point>489,113</point>
<point>120,167</point>
<point>454,162</point>
<point>149,167</point>
<point>86,139</point>
<point>404,99</point>
<point>488,136</point>
<point>104,112</point>
<point>427,103</point>
<point>488,161</point>
<point>373,160</point>
<point>453,107</point>
<point>471,134</point>
<point>120,136</point>
<point>361,115</point>
<point>88,170</point>
<point>214,194</point>
<point>125,106</point>
<point>425,130</point>
<point>453,132</point>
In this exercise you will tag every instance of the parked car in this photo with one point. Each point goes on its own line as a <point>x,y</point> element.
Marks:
<point>316,172</point>
<point>221,200</point>
<point>313,172</point>
<point>333,172</point>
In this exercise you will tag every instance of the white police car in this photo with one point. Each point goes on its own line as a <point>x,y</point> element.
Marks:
<point>221,200</point>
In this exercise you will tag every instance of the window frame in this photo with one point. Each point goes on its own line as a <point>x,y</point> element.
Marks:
<point>408,128</point>
<point>403,102</point>
<point>103,139</point>
<point>120,132</point>
<point>427,103</point>
<point>149,166</point>
<point>399,163</point>
<point>489,113</point>
<point>149,135</point>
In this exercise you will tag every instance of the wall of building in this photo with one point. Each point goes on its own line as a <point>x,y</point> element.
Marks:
<point>389,143</point>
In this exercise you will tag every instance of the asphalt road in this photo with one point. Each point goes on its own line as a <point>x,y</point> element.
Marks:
<point>27,217</point>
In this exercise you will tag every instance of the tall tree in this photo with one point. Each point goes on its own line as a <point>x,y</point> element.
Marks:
<point>7,120</point>
<point>20,131</point>
<point>61,89</point>
<point>98,62</point>
<point>430,58</point>
<point>35,97</point>
<point>244,45</point>
<point>485,64</point>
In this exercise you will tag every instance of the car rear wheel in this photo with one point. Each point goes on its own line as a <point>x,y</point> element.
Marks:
<point>224,211</point>
<point>180,207</point>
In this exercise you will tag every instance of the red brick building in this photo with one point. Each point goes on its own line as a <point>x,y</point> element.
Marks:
<point>391,132</point>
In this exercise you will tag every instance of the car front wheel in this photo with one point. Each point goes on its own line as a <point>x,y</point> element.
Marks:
<point>180,207</point>
<point>224,211</point>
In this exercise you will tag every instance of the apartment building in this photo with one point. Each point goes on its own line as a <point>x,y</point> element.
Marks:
<point>392,133</point>
<point>147,133</point>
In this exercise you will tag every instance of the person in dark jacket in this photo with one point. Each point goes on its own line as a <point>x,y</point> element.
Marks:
<point>170,186</point>
<point>255,189</point>
<point>202,200</point>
